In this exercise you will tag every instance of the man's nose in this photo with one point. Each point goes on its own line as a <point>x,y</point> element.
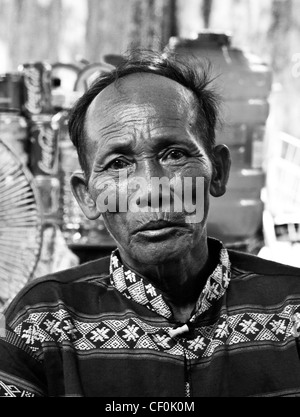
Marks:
<point>147,175</point>
<point>149,168</point>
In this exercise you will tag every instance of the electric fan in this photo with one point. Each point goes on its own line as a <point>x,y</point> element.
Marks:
<point>20,225</point>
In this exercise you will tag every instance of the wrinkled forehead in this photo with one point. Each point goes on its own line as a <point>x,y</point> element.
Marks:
<point>144,90</point>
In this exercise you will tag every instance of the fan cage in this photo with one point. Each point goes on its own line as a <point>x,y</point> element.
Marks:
<point>20,225</point>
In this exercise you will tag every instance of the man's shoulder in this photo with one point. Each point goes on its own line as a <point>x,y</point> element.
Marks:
<point>53,288</point>
<point>84,272</point>
<point>252,264</point>
<point>262,283</point>
<point>96,268</point>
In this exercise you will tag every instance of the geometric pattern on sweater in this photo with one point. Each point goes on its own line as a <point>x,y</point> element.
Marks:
<point>139,289</point>
<point>237,330</point>
<point>13,391</point>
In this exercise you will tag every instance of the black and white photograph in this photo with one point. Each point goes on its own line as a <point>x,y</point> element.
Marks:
<point>149,201</point>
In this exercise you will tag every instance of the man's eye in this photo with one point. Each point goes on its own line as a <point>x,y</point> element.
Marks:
<point>174,155</point>
<point>118,164</point>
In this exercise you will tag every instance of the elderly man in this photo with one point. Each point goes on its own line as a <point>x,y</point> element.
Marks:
<point>171,313</point>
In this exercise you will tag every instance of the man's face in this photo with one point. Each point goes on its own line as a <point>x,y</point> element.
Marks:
<point>144,128</point>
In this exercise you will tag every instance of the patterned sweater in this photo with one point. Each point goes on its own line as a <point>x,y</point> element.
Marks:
<point>102,330</point>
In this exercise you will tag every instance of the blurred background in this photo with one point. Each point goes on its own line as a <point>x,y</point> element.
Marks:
<point>51,50</point>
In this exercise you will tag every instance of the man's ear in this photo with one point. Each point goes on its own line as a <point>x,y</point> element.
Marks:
<point>83,196</point>
<point>221,169</point>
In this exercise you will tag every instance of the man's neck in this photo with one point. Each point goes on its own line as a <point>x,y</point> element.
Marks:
<point>181,281</point>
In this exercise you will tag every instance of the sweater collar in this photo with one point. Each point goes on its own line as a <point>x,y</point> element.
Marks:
<point>138,288</point>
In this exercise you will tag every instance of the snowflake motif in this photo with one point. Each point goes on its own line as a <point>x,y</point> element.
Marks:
<point>249,327</point>
<point>278,327</point>
<point>31,335</point>
<point>70,328</point>
<point>150,290</point>
<point>131,333</point>
<point>52,327</point>
<point>130,276</point>
<point>100,334</point>
<point>162,341</point>
<point>226,280</point>
<point>115,261</point>
<point>222,330</point>
<point>213,291</point>
<point>197,344</point>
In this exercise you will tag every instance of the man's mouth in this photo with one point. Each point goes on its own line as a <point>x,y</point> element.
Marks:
<point>159,225</point>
